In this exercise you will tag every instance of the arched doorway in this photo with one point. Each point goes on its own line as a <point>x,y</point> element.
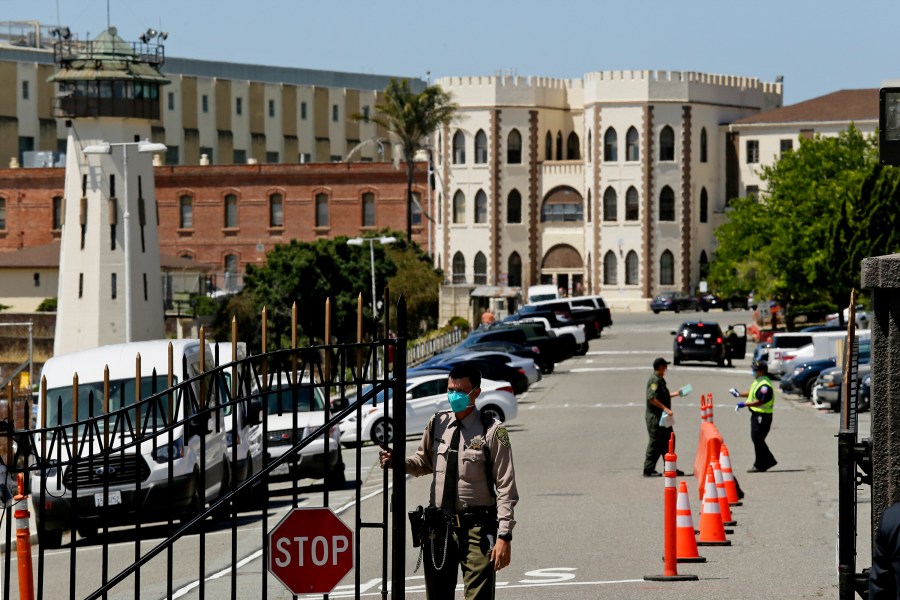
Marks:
<point>563,267</point>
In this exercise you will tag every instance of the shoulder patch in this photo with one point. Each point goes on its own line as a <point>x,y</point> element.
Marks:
<point>764,389</point>
<point>653,387</point>
<point>502,436</point>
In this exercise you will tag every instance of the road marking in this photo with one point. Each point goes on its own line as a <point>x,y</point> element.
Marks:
<point>616,352</point>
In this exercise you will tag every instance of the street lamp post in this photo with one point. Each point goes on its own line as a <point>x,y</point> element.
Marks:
<point>145,147</point>
<point>384,241</point>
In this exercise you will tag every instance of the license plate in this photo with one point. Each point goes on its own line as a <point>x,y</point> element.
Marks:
<point>699,341</point>
<point>111,499</point>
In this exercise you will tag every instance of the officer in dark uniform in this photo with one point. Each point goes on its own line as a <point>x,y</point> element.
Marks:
<point>659,401</point>
<point>473,492</point>
<point>884,578</point>
<point>760,401</point>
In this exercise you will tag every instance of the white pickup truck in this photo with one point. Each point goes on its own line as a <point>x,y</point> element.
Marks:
<point>575,330</point>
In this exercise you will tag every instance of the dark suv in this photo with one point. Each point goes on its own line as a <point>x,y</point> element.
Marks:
<point>699,340</point>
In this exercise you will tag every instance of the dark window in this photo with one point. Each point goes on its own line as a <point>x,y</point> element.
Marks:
<point>321,210</point>
<point>415,209</point>
<point>276,210</point>
<point>587,206</point>
<point>631,268</point>
<point>703,143</point>
<point>610,146</point>
<point>239,106</point>
<point>481,150</point>
<point>272,158</point>
<point>204,103</point>
<point>145,286</point>
<point>786,145</point>
<point>704,206</point>
<point>564,205</point>
<point>172,155</point>
<point>610,205</point>
<point>514,207</point>
<point>587,151</point>
<point>368,203</point>
<point>514,270</point>
<point>24,90</point>
<point>666,268</point>
<point>704,265</point>
<point>573,147</point>
<point>459,268</point>
<point>610,266</point>
<point>548,147</point>
<point>480,267</point>
<point>459,207</point>
<point>171,97</point>
<point>57,212</point>
<point>239,157</point>
<point>112,281</point>
<point>667,204</point>
<point>37,280</point>
<point>632,205</point>
<point>271,108</point>
<point>514,147</point>
<point>231,210</point>
<point>559,146</point>
<point>303,111</point>
<point>481,207</point>
<point>186,212</point>
<point>231,272</point>
<point>335,112</point>
<point>667,144</point>
<point>459,148</point>
<point>752,152</point>
<point>80,285</point>
<point>365,113</point>
<point>753,192</point>
<point>26,144</point>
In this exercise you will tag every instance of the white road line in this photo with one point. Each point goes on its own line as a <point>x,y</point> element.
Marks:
<point>501,585</point>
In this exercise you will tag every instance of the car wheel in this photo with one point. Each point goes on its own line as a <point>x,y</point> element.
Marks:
<point>808,387</point>
<point>50,539</point>
<point>547,368</point>
<point>382,432</point>
<point>720,362</point>
<point>335,479</point>
<point>728,306</point>
<point>87,531</point>
<point>696,308</point>
<point>583,349</point>
<point>195,506</point>
<point>494,411</point>
<point>677,309</point>
<point>656,311</point>
<point>676,360</point>
<point>705,309</point>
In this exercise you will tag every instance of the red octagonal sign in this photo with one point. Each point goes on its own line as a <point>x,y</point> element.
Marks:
<point>310,550</point>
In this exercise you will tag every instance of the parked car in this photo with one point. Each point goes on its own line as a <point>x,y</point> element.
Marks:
<point>827,392</point>
<point>590,311</point>
<point>761,352</point>
<point>425,395</point>
<point>711,301</point>
<point>802,378</point>
<point>784,345</point>
<point>293,411</point>
<point>699,340</point>
<point>552,349</point>
<point>865,392</point>
<point>527,365</point>
<point>674,301</point>
<point>559,324</point>
<point>519,350</point>
<point>489,368</point>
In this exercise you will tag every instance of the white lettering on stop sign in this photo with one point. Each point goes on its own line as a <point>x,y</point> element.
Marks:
<point>319,550</point>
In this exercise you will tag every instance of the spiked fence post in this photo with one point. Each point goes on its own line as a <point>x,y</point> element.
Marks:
<point>398,522</point>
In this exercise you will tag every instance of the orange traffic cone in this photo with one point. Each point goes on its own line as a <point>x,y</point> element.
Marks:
<point>686,542</point>
<point>727,519</point>
<point>709,408</point>
<point>712,532</point>
<point>728,476</point>
<point>703,415</point>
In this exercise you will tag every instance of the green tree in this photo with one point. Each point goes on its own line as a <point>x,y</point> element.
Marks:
<point>418,282</point>
<point>410,117</point>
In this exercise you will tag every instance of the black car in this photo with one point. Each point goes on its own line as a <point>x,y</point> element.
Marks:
<point>802,379</point>
<point>699,340</point>
<point>490,369</point>
<point>711,301</point>
<point>674,301</point>
<point>865,392</point>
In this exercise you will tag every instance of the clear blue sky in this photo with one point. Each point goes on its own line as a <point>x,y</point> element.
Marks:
<point>818,46</point>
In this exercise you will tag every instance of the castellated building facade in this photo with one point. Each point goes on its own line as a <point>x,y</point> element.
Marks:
<point>610,184</point>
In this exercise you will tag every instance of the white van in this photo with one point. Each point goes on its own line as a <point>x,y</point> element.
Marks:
<point>106,492</point>
<point>537,293</point>
<point>824,345</point>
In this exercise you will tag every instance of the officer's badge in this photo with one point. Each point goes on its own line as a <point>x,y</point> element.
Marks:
<point>764,390</point>
<point>653,387</point>
<point>503,436</point>
<point>477,442</point>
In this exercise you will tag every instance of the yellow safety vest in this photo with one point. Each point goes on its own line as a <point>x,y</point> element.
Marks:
<point>758,383</point>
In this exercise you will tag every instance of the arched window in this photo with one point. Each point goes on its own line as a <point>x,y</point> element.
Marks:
<point>559,147</point>
<point>459,268</point>
<point>704,205</point>
<point>514,147</point>
<point>587,149</point>
<point>481,150</point>
<point>459,148</point>
<point>704,265</point>
<point>415,209</point>
<point>231,272</point>
<point>610,264</point>
<point>440,207</point>
<point>563,205</point>
<point>276,212</point>
<point>368,209</point>
<point>587,205</point>
<point>185,212</point>
<point>514,207</point>
<point>514,270</point>
<point>459,207</point>
<point>666,268</point>
<point>231,211</point>
<point>610,205</point>
<point>480,268</point>
<point>666,144</point>
<point>610,146</point>
<point>703,143</point>
<point>631,268</point>
<point>667,204</point>
<point>632,205</point>
<point>632,150</point>
<point>548,147</point>
<point>481,208</point>
<point>321,210</point>
<point>573,147</point>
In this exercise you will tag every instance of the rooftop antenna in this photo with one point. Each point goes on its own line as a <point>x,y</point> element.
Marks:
<point>108,24</point>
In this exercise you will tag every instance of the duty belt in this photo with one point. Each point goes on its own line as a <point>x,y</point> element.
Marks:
<point>473,517</point>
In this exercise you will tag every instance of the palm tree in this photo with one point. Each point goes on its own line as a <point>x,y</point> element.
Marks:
<point>410,118</point>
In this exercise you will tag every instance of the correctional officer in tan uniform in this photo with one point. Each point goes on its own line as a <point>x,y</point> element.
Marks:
<point>473,490</point>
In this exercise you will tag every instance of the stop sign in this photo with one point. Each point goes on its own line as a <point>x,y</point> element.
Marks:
<point>310,550</point>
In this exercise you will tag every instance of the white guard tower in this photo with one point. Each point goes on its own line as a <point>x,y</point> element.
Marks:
<point>109,275</point>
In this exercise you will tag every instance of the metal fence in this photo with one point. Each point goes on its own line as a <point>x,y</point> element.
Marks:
<point>170,457</point>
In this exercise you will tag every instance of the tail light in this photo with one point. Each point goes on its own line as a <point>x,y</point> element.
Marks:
<point>535,349</point>
<point>596,326</point>
<point>507,388</point>
<point>521,371</point>
<point>718,340</point>
<point>680,338</point>
<point>788,357</point>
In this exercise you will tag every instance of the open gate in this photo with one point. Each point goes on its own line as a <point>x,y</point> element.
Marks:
<point>169,487</point>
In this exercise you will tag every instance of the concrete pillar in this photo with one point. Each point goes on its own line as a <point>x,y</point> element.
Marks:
<point>881,276</point>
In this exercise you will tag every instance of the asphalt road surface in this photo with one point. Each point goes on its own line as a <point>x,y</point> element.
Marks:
<point>589,525</point>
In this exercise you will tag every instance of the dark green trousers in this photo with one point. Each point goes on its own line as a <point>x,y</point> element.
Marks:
<point>468,549</point>
<point>658,442</point>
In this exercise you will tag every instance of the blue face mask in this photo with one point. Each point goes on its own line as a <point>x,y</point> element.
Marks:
<point>458,400</point>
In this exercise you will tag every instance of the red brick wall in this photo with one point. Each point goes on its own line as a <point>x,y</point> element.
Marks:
<point>29,192</point>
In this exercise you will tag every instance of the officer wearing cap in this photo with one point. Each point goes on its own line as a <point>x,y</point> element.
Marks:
<point>473,492</point>
<point>760,401</point>
<point>659,401</point>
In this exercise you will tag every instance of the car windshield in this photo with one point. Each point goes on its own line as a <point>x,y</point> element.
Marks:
<point>60,401</point>
<point>299,399</point>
